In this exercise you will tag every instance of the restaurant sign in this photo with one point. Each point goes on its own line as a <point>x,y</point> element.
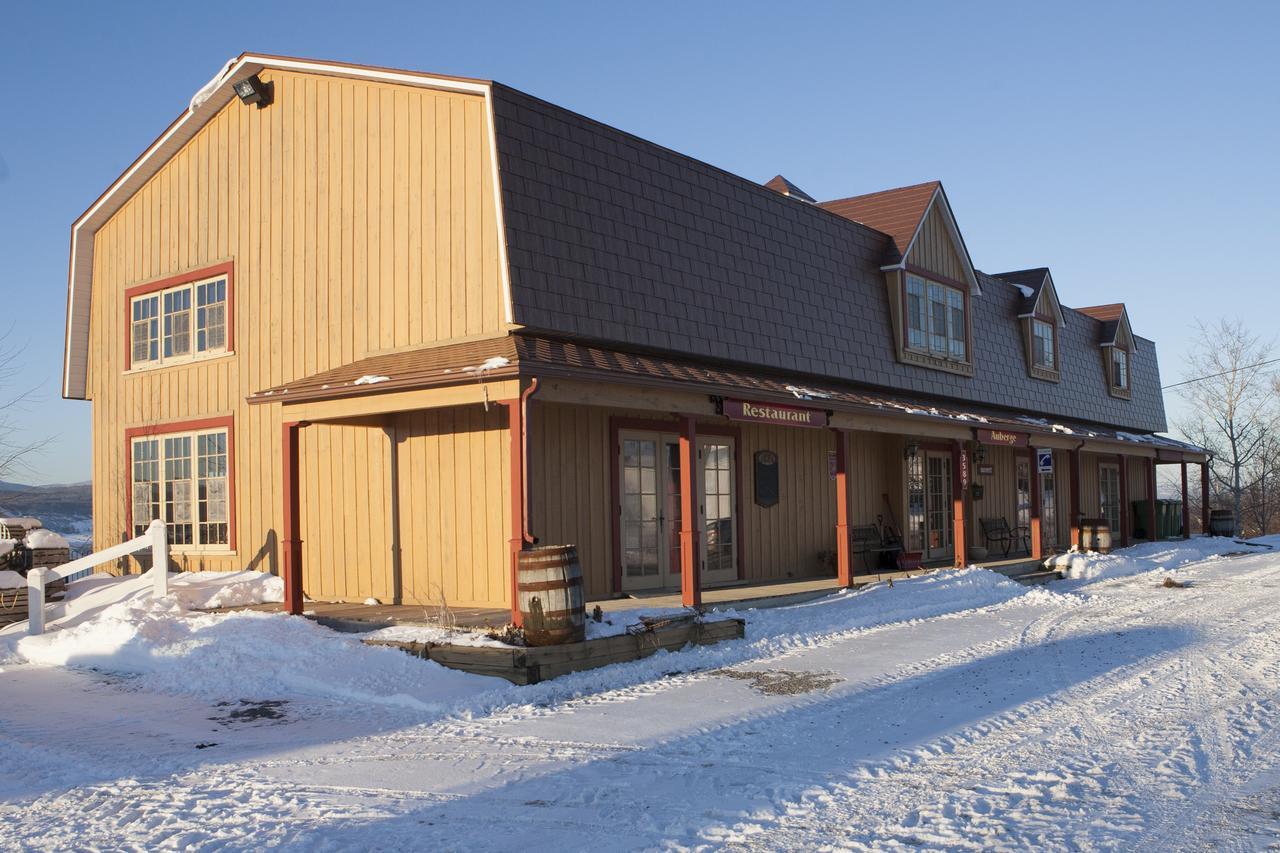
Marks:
<point>1002,437</point>
<point>772,413</point>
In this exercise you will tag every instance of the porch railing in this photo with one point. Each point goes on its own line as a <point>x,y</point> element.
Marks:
<point>156,538</point>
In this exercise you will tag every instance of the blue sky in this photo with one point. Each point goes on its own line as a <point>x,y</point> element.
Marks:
<point>1133,148</point>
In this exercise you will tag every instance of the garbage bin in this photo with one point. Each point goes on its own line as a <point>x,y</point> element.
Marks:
<point>1168,518</point>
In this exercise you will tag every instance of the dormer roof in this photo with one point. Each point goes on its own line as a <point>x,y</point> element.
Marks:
<point>779,184</point>
<point>900,214</point>
<point>1039,294</point>
<point>1114,318</point>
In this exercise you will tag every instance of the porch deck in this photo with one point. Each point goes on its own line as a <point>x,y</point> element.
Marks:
<point>355,617</point>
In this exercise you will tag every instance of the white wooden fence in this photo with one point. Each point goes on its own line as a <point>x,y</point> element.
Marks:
<point>156,538</point>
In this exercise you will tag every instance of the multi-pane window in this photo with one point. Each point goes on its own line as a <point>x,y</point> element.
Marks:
<point>179,323</point>
<point>1119,369</point>
<point>182,479</point>
<point>936,319</point>
<point>1043,350</point>
<point>1109,486</point>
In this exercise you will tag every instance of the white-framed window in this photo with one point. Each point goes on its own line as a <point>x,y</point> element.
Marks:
<point>1043,346</point>
<point>182,478</point>
<point>1119,369</point>
<point>936,321</point>
<point>180,323</point>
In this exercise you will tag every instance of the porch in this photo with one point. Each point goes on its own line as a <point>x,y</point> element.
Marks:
<point>674,492</point>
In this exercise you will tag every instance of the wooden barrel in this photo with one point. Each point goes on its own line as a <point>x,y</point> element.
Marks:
<point>1222,522</point>
<point>552,605</point>
<point>1095,535</point>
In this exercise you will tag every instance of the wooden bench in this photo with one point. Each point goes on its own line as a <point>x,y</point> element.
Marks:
<point>997,530</point>
<point>868,540</point>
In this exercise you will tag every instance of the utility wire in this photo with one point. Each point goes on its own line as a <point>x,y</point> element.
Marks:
<point>1223,373</point>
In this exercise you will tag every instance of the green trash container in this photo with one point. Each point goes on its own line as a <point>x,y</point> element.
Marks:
<point>1169,518</point>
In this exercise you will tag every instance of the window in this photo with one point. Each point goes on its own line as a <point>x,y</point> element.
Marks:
<point>1109,485</point>
<point>179,323</point>
<point>1043,345</point>
<point>936,322</point>
<point>182,478</point>
<point>1119,369</point>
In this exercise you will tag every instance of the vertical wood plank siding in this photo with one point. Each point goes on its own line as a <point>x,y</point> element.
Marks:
<point>360,218</point>
<point>934,249</point>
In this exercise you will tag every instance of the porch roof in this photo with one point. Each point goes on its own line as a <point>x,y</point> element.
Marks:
<point>529,355</point>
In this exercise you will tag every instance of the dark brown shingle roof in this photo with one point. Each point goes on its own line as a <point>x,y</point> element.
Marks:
<point>895,212</point>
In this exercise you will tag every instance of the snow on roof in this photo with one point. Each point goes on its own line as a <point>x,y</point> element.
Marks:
<point>371,379</point>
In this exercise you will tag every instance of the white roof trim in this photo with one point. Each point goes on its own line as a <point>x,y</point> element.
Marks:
<point>970,275</point>
<point>217,93</point>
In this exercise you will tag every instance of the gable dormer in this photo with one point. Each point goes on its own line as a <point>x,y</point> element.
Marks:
<point>782,186</point>
<point>1042,320</point>
<point>1115,337</point>
<point>928,273</point>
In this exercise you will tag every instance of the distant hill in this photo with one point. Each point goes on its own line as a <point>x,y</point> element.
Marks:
<point>66,508</point>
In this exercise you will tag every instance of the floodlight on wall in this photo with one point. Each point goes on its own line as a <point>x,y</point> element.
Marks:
<point>251,90</point>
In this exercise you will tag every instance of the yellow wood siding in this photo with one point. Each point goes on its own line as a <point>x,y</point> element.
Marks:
<point>360,218</point>
<point>934,249</point>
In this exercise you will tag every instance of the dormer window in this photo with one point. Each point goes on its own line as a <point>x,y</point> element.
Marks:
<point>936,319</point>
<point>1044,346</point>
<point>1119,371</point>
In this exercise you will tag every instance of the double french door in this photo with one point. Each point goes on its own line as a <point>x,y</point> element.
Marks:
<point>651,511</point>
<point>929,508</point>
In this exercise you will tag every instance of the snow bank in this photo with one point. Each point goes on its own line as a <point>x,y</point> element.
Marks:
<point>11,580</point>
<point>44,539</point>
<point>1141,558</point>
<point>208,590</point>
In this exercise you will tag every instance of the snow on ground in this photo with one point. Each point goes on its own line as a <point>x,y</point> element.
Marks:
<point>957,710</point>
<point>1151,557</point>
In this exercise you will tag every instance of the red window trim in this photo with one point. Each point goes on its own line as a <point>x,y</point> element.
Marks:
<point>226,422</point>
<point>619,423</point>
<point>227,268</point>
<point>968,320</point>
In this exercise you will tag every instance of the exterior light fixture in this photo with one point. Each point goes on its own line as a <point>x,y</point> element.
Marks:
<point>912,451</point>
<point>251,90</point>
<point>980,455</point>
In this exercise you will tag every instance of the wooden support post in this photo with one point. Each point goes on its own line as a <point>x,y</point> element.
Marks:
<point>1125,511</point>
<point>292,539</point>
<point>1204,499</point>
<point>959,474</point>
<point>690,577</point>
<point>1037,539</point>
<point>844,562</point>
<point>1152,535</point>
<point>1073,461</point>
<point>1186,507</point>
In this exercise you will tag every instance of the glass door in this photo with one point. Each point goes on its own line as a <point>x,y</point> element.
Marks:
<point>643,558</point>
<point>719,533</point>
<point>1109,481</point>
<point>1048,512</point>
<point>1023,478</point>
<point>937,506</point>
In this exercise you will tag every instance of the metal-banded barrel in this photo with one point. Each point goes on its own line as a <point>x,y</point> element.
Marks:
<point>552,605</point>
<point>1222,522</point>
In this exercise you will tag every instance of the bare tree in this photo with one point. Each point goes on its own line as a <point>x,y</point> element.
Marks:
<point>15,450</point>
<point>1232,395</point>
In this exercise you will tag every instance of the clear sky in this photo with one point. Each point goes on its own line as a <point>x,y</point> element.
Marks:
<point>1131,147</point>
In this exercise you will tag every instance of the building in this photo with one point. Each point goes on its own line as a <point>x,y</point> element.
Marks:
<point>378,330</point>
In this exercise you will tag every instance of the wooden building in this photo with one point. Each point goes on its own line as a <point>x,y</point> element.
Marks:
<point>378,330</point>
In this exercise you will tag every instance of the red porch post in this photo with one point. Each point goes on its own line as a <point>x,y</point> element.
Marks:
<point>1204,498</point>
<point>1125,523</point>
<point>690,577</point>
<point>515,541</point>
<point>844,563</point>
<point>1151,500</point>
<point>959,470</point>
<point>1037,546</point>
<point>1073,461</point>
<point>1186,507</point>
<point>292,540</point>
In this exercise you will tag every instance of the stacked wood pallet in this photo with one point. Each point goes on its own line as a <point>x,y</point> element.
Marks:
<point>536,664</point>
<point>13,602</point>
<point>50,557</point>
<point>18,528</point>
